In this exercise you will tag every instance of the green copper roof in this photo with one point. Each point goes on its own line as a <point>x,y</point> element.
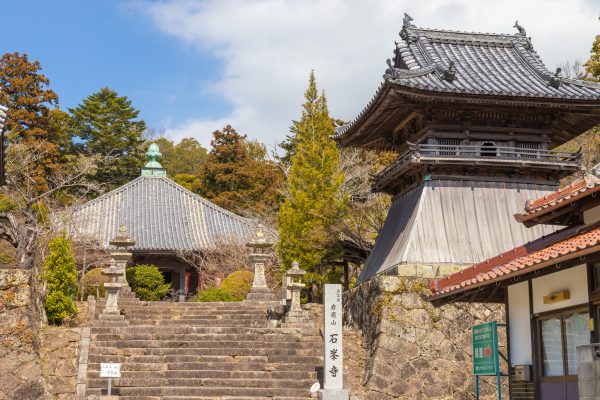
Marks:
<point>153,167</point>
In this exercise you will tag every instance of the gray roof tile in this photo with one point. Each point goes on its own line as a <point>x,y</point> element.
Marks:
<point>160,215</point>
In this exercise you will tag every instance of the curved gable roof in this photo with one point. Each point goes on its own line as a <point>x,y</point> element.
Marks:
<point>159,215</point>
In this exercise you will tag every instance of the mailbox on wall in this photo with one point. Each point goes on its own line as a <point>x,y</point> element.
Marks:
<point>522,372</point>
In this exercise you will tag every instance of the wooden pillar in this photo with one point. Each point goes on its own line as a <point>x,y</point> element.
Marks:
<point>346,275</point>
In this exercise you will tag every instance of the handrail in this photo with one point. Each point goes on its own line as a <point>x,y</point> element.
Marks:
<point>418,151</point>
<point>444,150</point>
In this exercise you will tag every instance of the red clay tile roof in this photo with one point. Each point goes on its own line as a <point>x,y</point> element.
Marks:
<point>577,190</point>
<point>518,261</point>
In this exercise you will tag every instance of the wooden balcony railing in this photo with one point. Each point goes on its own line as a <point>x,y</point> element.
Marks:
<point>491,152</point>
<point>501,155</point>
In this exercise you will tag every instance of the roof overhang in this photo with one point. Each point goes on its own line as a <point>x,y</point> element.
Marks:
<point>393,102</point>
<point>471,283</point>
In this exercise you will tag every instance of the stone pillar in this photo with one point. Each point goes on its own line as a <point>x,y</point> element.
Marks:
<point>259,247</point>
<point>121,256</point>
<point>296,314</point>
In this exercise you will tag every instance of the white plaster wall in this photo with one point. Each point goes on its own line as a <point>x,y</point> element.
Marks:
<point>591,215</point>
<point>519,324</point>
<point>572,279</point>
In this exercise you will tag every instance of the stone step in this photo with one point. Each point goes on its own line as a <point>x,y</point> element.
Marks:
<point>211,398</point>
<point>199,352</point>
<point>202,391</point>
<point>239,365</point>
<point>185,330</point>
<point>234,374</point>
<point>196,337</point>
<point>201,343</point>
<point>203,382</point>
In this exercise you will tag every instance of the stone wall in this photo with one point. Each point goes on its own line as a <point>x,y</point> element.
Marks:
<point>415,350</point>
<point>21,374</point>
<point>59,349</point>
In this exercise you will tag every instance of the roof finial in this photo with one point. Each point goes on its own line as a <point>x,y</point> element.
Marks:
<point>153,167</point>
<point>555,80</point>
<point>391,72</point>
<point>520,28</point>
<point>406,23</point>
<point>450,73</point>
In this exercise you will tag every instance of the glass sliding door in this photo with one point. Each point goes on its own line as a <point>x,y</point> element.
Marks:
<point>558,338</point>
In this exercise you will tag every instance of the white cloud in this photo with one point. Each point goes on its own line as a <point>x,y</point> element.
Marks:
<point>269,47</point>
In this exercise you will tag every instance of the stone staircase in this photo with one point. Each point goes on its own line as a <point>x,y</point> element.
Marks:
<point>202,351</point>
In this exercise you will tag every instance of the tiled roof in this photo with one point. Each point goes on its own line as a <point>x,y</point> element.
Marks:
<point>577,190</point>
<point>542,253</point>
<point>492,64</point>
<point>159,215</point>
<point>483,64</point>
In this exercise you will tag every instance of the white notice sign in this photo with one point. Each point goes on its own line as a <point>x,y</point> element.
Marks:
<point>110,370</point>
<point>334,358</point>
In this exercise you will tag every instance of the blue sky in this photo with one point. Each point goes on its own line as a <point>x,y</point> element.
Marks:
<point>86,45</point>
<point>192,66</point>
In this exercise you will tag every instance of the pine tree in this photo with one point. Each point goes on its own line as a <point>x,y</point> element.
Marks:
<point>107,125</point>
<point>308,215</point>
<point>237,175</point>
<point>60,274</point>
<point>32,116</point>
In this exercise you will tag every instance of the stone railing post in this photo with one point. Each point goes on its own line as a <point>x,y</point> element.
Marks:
<point>91,308</point>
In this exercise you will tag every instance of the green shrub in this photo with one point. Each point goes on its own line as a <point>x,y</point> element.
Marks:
<point>147,282</point>
<point>58,307</point>
<point>238,284</point>
<point>60,273</point>
<point>92,283</point>
<point>213,294</point>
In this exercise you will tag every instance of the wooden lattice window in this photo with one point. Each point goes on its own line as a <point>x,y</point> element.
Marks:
<point>448,147</point>
<point>528,149</point>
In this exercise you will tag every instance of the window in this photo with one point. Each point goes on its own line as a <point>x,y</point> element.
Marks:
<point>449,147</point>
<point>528,149</point>
<point>559,337</point>
<point>488,149</point>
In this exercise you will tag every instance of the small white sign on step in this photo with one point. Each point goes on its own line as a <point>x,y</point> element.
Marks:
<point>110,370</point>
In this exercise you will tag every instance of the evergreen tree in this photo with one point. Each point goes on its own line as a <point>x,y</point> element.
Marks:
<point>592,66</point>
<point>186,157</point>
<point>238,176</point>
<point>308,215</point>
<point>60,273</point>
<point>32,116</point>
<point>107,125</point>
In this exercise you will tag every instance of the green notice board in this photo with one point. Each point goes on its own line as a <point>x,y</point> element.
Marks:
<point>485,348</point>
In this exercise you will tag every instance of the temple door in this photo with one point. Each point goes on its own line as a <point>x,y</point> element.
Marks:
<point>559,334</point>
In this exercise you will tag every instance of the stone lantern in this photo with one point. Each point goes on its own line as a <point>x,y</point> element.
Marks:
<point>295,313</point>
<point>114,272</point>
<point>259,253</point>
<point>121,256</point>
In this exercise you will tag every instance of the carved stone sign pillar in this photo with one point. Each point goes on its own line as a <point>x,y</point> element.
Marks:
<point>333,371</point>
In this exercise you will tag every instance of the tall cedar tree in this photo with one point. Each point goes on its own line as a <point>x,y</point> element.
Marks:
<point>238,176</point>
<point>308,216</point>
<point>33,117</point>
<point>107,125</point>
